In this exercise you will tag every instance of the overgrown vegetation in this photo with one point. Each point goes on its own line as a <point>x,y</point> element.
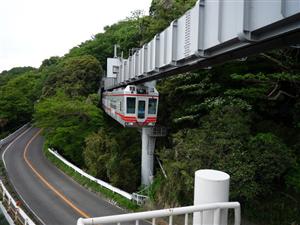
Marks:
<point>241,117</point>
<point>93,186</point>
<point>20,88</point>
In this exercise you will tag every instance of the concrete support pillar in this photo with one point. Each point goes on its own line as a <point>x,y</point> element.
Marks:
<point>150,83</point>
<point>210,186</point>
<point>148,146</point>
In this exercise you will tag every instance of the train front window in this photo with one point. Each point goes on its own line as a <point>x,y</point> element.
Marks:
<point>130,105</point>
<point>152,106</point>
<point>141,109</point>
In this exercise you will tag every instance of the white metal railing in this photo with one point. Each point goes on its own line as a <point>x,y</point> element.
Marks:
<point>88,176</point>
<point>13,135</point>
<point>13,213</point>
<point>216,208</point>
<point>16,213</point>
<point>139,199</point>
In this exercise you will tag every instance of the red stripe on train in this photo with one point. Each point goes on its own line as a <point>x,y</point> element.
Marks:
<point>141,95</point>
<point>132,119</point>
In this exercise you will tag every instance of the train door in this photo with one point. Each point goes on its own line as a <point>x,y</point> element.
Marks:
<point>141,109</point>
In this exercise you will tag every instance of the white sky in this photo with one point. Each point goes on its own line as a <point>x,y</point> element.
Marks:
<point>33,30</point>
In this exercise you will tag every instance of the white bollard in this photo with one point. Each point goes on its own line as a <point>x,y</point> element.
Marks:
<point>211,186</point>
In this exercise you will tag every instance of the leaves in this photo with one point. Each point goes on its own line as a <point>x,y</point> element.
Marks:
<point>76,76</point>
<point>67,123</point>
<point>241,117</point>
<point>17,98</point>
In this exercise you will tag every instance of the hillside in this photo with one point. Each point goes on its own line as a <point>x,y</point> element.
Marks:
<point>241,117</point>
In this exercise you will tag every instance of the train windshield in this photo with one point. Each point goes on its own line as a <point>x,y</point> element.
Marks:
<point>131,105</point>
<point>152,106</point>
<point>141,109</point>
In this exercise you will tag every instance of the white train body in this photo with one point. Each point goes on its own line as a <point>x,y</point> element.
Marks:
<point>132,106</point>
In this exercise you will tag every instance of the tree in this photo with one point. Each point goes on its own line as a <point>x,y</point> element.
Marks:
<point>5,75</point>
<point>223,142</point>
<point>17,98</point>
<point>110,156</point>
<point>77,76</point>
<point>97,153</point>
<point>67,122</point>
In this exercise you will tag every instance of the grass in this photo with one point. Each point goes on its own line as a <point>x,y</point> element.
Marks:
<point>91,185</point>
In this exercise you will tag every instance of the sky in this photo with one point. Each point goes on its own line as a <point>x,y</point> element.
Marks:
<point>34,30</point>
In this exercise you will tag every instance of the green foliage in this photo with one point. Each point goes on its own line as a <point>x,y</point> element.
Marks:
<point>52,61</point>
<point>5,75</point>
<point>126,33</point>
<point>221,135</point>
<point>91,185</point>
<point>113,156</point>
<point>223,142</point>
<point>241,117</point>
<point>17,98</point>
<point>163,12</point>
<point>293,178</point>
<point>68,107</point>
<point>76,76</point>
<point>99,148</point>
<point>67,123</point>
<point>273,161</point>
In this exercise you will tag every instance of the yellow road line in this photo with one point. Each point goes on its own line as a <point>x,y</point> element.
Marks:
<point>63,198</point>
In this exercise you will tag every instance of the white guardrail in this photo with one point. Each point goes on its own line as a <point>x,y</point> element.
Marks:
<point>13,135</point>
<point>98,181</point>
<point>187,211</point>
<point>11,209</point>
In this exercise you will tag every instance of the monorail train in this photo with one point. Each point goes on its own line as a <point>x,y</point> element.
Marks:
<point>132,106</point>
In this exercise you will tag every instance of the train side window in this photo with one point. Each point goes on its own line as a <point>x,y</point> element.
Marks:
<point>152,106</point>
<point>131,105</point>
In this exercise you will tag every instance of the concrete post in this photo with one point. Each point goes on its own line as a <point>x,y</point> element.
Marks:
<point>210,186</point>
<point>148,145</point>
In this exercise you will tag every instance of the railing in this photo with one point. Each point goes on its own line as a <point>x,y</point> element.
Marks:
<point>13,213</point>
<point>88,176</point>
<point>13,135</point>
<point>139,199</point>
<point>187,211</point>
<point>158,131</point>
<point>12,208</point>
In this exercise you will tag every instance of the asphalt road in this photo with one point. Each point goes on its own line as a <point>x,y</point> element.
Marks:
<point>51,195</point>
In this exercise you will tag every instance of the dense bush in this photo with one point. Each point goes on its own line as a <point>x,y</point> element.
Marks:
<point>241,117</point>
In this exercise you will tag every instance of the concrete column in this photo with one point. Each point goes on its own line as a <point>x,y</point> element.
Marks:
<point>150,83</point>
<point>148,145</point>
<point>210,186</point>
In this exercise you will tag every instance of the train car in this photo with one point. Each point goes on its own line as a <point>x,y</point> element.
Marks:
<point>132,106</point>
